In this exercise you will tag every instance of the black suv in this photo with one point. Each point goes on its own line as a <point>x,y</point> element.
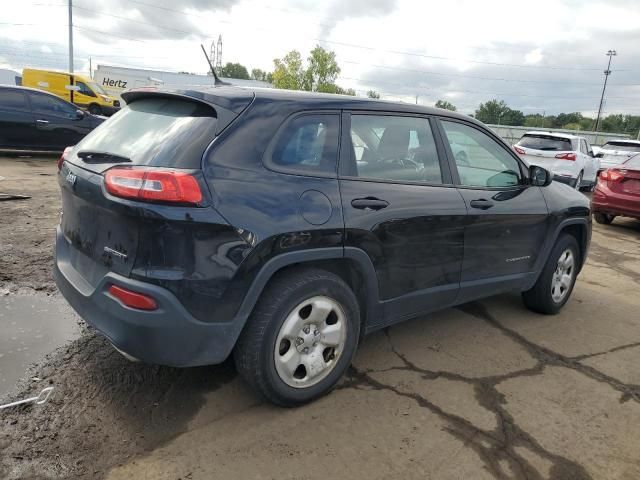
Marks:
<point>284,226</point>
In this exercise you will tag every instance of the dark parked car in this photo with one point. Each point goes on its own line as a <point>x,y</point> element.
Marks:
<point>34,120</point>
<point>617,192</point>
<point>284,226</point>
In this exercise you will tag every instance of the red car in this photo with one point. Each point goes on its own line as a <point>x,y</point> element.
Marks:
<point>617,192</point>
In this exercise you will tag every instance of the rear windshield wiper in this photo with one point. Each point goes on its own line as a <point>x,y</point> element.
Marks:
<point>101,157</point>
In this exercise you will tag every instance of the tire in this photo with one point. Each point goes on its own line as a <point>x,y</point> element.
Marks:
<point>603,218</point>
<point>291,300</point>
<point>95,109</point>
<point>579,181</point>
<point>541,298</point>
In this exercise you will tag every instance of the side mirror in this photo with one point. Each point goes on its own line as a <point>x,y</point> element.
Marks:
<point>539,177</point>
<point>599,155</point>
<point>80,114</point>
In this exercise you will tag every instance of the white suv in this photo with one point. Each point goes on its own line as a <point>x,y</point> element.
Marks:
<point>569,157</point>
<point>615,152</point>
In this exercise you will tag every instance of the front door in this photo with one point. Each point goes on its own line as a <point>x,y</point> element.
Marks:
<point>401,208</point>
<point>57,122</point>
<point>507,220</point>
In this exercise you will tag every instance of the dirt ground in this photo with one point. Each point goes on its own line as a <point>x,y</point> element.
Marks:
<point>487,390</point>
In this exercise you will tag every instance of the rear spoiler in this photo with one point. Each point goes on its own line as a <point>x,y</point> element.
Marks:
<point>228,102</point>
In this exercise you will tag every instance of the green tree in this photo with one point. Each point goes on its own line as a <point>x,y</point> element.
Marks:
<point>319,76</point>
<point>373,94</point>
<point>323,69</point>
<point>446,105</point>
<point>492,111</point>
<point>497,112</point>
<point>288,72</point>
<point>234,70</point>
<point>258,74</point>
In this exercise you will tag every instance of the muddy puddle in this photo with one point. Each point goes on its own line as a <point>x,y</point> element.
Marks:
<point>30,327</point>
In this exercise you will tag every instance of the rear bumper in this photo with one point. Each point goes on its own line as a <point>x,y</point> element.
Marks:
<point>169,335</point>
<point>613,203</point>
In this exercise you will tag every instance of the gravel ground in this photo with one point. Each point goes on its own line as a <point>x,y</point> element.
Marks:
<point>488,390</point>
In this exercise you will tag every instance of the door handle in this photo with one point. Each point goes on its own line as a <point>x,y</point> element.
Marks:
<point>482,204</point>
<point>42,121</point>
<point>369,203</point>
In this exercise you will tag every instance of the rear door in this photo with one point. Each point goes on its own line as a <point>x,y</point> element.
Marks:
<point>17,126</point>
<point>401,208</point>
<point>57,122</point>
<point>507,219</point>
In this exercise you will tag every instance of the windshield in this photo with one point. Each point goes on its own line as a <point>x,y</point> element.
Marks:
<point>97,88</point>
<point>627,147</point>
<point>545,142</point>
<point>154,131</point>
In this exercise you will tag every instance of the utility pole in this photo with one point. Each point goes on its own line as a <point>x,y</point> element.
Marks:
<point>607,72</point>
<point>70,36</point>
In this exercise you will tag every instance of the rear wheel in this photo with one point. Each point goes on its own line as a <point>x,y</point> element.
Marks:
<point>603,218</point>
<point>555,284</point>
<point>95,109</point>
<point>300,338</point>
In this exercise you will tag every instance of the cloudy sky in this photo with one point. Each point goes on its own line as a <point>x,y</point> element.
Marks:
<point>539,56</point>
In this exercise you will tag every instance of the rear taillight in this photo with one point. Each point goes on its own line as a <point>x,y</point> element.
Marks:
<point>153,185</point>
<point>63,157</point>
<point>566,156</point>
<point>611,175</point>
<point>518,150</point>
<point>133,299</point>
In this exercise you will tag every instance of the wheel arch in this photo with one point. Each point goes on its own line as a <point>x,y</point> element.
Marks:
<point>579,228</point>
<point>351,264</point>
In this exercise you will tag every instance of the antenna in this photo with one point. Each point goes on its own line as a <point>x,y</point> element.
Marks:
<point>217,81</point>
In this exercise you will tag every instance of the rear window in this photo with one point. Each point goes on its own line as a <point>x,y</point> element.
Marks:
<point>158,132</point>
<point>13,99</point>
<point>308,144</point>
<point>633,162</point>
<point>627,147</point>
<point>545,142</point>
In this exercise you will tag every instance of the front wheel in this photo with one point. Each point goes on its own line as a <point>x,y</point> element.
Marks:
<point>301,337</point>
<point>556,281</point>
<point>95,109</point>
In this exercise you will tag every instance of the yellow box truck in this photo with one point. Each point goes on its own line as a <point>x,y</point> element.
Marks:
<point>77,89</point>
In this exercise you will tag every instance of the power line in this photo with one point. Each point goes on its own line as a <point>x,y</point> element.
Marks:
<point>397,52</point>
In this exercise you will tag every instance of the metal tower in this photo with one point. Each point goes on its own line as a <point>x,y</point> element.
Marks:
<point>219,53</point>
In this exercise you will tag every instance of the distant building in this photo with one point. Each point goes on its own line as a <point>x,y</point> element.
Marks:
<point>116,80</point>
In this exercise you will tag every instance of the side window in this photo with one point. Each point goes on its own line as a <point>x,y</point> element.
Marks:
<point>84,90</point>
<point>583,147</point>
<point>13,100</point>
<point>394,148</point>
<point>50,105</point>
<point>309,143</point>
<point>481,161</point>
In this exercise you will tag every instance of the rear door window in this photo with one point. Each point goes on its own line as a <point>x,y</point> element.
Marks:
<point>393,148</point>
<point>162,132</point>
<point>13,100</point>
<point>308,144</point>
<point>545,143</point>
